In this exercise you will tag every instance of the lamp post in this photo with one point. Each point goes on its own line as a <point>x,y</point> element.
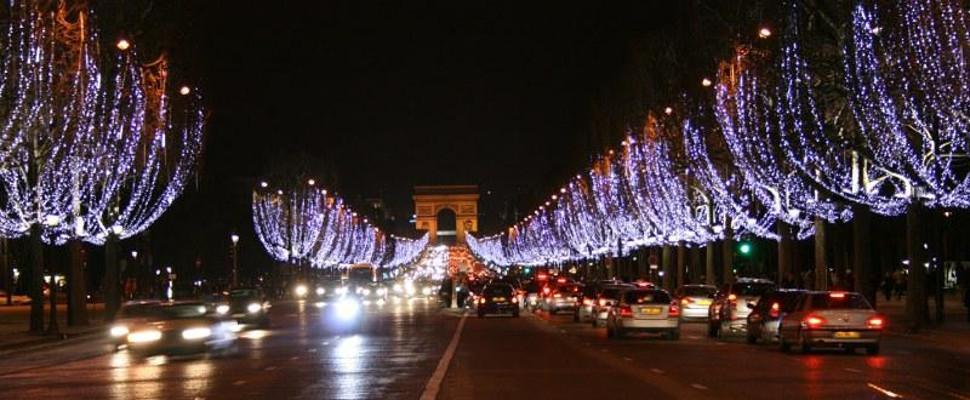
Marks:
<point>235,260</point>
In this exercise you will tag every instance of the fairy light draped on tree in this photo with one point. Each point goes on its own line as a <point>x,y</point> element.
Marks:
<point>907,84</point>
<point>406,251</point>
<point>90,147</point>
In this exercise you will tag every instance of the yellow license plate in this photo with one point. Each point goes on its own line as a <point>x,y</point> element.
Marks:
<point>847,335</point>
<point>650,310</point>
<point>498,299</point>
<point>703,302</point>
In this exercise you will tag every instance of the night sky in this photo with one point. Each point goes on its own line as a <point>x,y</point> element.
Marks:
<point>389,95</point>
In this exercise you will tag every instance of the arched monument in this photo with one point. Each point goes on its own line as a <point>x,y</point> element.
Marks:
<point>430,201</point>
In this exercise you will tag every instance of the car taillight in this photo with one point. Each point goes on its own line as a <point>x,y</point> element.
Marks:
<point>481,300</point>
<point>587,302</point>
<point>813,321</point>
<point>837,295</point>
<point>685,301</point>
<point>515,299</point>
<point>626,312</point>
<point>775,310</point>
<point>557,295</point>
<point>876,322</point>
<point>674,310</point>
<point>733,297</point>
<point>602,302</point>
<point>546,290</point>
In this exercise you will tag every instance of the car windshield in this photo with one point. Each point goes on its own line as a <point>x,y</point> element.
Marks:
<point>244,294</point>
<point>847,301</point>
<point>502,290</point>
<point>179,311</point>
<point>698,291</point>
<point>138,311</point>
<point>751,289</point>
<point>646,297</point>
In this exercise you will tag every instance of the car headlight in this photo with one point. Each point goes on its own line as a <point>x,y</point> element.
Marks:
<point>119,331</point>
<point>144,336</point>
<point>347,308</point>
<point>222,309</point>
<point>341,290</point>
<point>381,291</point>
<point>398,288</point>
<point>301,290</point>
<point>321,291</point>
<point>426,291</point>
<point>366,292</point>
<point>254,308</point>
<point>196,333</point>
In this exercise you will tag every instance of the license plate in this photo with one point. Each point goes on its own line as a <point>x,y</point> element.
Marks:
<point>650,310</point>
<point>847,335</point>
<point>498,299</point>
<point>703,302</point>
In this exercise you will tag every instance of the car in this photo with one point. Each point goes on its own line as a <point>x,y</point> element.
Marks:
<point>729,310</point>
<point>498,298</point>
<point>695,300</point>
<point>15,299</point>
<point>766,315</point>
<point>180,327</point>
<point>605,298</point>
<point>832,319</point>
<point>131,314</point>
<point>644,310</point>
<point>562,298</point>
<point>246,306</point>
<point>584,310</point>
<point>346,313</point>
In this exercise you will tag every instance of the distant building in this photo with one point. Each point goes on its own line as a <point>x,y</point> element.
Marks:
<point>446,212</point>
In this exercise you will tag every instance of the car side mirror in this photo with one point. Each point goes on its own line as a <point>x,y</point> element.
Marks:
<point>752,305</point>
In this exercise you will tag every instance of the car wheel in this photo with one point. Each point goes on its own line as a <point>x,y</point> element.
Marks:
<point>785,346</point>
<point>803,345</point>
<point>872,349</point>
<point>675,334</point>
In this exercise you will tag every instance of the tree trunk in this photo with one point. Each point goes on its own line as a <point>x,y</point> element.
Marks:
<point>916,308</point>
<point>112,274</point>
<point>7,274</point>
<point>695,264</point>
<point>865,276</point>
<point>681,263</point>
<point>821,268</point>
<point>642,267</point>
<point>36,280</point>
<point>53,328</point>
<point>727,263</point>
<point>709,276</point>
<point>785,277</point>
<point>666,259</point>
<point>77,313</point>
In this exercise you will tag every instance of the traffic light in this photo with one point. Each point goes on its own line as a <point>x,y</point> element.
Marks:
<point>528,270</point>
<point>744,248</point>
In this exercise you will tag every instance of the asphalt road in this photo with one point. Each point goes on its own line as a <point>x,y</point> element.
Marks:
<point>401,347</point>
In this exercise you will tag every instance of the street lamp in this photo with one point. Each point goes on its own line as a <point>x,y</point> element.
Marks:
<point>235,260</point>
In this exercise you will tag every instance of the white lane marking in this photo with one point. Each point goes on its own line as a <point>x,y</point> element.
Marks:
<point>852,370</point>
<point>698,386</point>
<point>719,343</point>
<point>885,392</point>
<point>904,352</point>
<point>434,384</point>
<point>270,368</point>
<point>326,343</point>
<point>627,359</point>
<point>294,358</point>
<point>239,383</point>
<point>313,350</point>
<point>657,370</point>
<point>604,350</point>
<point>562,331</point>
<point>586,343</point>
<point>694,337</point>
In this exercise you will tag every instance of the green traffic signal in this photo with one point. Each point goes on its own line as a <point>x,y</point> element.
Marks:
<point>745,248</point>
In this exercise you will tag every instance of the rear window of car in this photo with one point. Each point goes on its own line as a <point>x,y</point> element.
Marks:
<point>697,291</point>
<point>502,290</point>
<point>751,289</point>
<point>610,293</point>
<point>848,301</point>
<point>646,297</point>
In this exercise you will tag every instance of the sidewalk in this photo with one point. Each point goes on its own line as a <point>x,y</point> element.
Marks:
<point>954,333</point>
<point>15,323</point>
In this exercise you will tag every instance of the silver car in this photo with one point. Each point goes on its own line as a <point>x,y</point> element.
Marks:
<point>695,300</point>
<point>729,311</point>
<point>639,310</point>
<point>606,298</point>
<point>832,319</point>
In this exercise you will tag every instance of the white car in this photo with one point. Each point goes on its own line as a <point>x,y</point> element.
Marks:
<point>832,319</point>
<point>639,310</point>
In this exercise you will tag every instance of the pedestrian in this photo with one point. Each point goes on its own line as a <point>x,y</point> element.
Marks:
<point>887,286</point>
<point>966,299</point>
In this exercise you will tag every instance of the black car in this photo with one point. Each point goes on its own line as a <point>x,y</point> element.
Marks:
<point>246,306</point>
<point>766,316</point>
<point>498,298</point>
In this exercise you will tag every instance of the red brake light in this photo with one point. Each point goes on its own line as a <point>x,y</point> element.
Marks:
<point>481,300</point>
<point>837,295</point>
<point>775,310</point>
<point>561,280</point>
<point>546,290</point>
<point>685,301</point>
<point>876,322</point>
<point>674,310</point>
<point>587,302</point>
<point>515,299</point>
<point>542,277</point>
<point>626,312</point>
<point>557,295</point>
<point>602,302</point>
<point>733,297</point>
<point>814,321</point>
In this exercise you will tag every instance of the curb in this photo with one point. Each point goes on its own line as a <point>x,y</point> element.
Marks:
<point>46,342</point>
